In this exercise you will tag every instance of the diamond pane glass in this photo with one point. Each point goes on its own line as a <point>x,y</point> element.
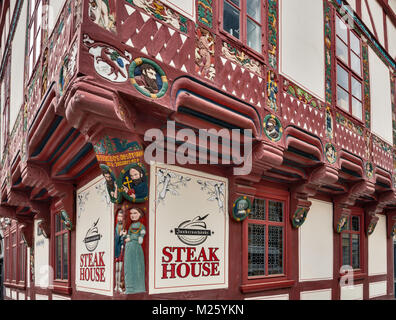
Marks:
<point>275,211</point>
<point>355,251</point>
<point>275,250</point>
<point>346,250</point>
<point>58,256</point>
<point>355,223</point>
<point>258,210</point>
<point>256,250</point>
<point>64,256</point>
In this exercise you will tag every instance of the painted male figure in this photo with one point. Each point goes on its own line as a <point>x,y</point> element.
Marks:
<point>135,184</point>
<point>119,244</point>
<point>148,78</point>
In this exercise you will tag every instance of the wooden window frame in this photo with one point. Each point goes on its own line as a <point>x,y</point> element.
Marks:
<point>259,283</point>
<point>242,41</point>
<point>7,258</point>
<point>62,286</point>
<point>349,70</point>
<point>32,23</point>
<point>22,250</point>
<point>355,212</point>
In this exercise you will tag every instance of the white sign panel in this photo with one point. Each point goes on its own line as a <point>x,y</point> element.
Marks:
<point>94,239</point>
<point>42,270</point>
<point>188,230</point>
<point>185,7</point>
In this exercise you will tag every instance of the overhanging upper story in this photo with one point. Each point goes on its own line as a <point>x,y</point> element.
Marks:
<point>314,82</point>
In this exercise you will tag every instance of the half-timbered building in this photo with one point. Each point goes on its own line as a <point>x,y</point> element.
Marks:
<point>182,149</point>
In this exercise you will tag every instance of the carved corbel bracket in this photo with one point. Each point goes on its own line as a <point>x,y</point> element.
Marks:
<point>264,157</point>
<point>342,212</point>
<point>43,213</point>
<point>8,212</point>
<point>27,230</point>
<point>300,205</point>
<point>18,199</point>
<point>392,224</point>
<point>371,211</point>
<point>125,114</point>
<point>64,194</point>
<point>83,114</point>
<point>35,175</point>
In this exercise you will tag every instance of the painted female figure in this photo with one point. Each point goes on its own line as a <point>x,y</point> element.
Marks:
<point>134,267</point>
<point>119,237</point>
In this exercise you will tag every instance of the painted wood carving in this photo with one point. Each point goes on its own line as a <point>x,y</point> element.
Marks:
<point>205,54</point>
<point>109,62</point>
<point>241,208</point>
<point>122,166</point>
<point>103,13</point>
<point>148,78</point>
<point>273,128</point>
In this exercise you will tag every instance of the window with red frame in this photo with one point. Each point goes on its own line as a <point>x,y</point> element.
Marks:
<point>349,70</point>
<point>61,250</point>
<point>14,257</point>
<point>34,33</point>
<point>243,19</point>
<point>7,264</point>
<point>351,243</point>
<point>266,238</point>
<point>22,259</point>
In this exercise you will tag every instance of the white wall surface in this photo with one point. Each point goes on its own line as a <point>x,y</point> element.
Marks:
<point>302,44</point>
<point>377,249</point>
<point>391,38</point>
<point>377,289</point>
<point>381,104</point>
<point>316,243</point>
<point>352,292</point>
<point>18,66</point>
<point>352,4</point>
<point>185,7</point>
<point>95,209</point>
<point>271,298</point>
<point>377,14</point>
<point>54,9</point>
<point>42,271</point>
<point>316,295</point>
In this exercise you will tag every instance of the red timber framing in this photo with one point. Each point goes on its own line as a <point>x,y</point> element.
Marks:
<point>89,84</point>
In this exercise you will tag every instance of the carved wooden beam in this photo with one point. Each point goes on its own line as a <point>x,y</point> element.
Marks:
<point>43,213</point>
<point>300,205</point>
<point>392,224</point>
<point>371,211</point>
<point>8,212</point>
<point>343,203</point>
<point>27,229</point>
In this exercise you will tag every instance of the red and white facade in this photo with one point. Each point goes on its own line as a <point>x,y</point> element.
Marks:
<point>84,83</point>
